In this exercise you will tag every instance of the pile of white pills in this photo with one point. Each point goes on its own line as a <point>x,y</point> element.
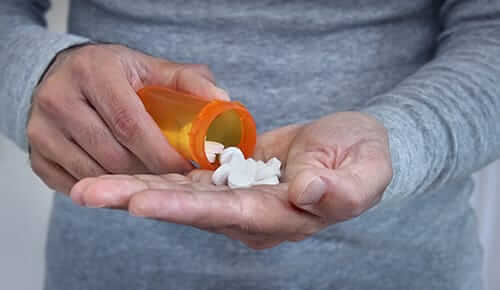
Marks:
<point>238,172</point>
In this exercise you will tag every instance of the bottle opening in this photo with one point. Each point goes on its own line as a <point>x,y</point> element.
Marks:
<point>227,123</point>
<point>226,129</point>
<point>187,122</point>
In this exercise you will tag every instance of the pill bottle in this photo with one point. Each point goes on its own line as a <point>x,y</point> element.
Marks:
<point>187,122</point>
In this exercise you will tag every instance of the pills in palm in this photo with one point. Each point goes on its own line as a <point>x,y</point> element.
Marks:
<point>220,176</point>
<point>238,172</point>
<point>229,153</point>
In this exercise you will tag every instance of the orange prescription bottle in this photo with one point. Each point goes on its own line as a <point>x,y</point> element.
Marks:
<point>187,122</point>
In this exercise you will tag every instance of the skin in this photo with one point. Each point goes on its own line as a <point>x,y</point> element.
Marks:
<point>335,168</point>
<point>86,119</point>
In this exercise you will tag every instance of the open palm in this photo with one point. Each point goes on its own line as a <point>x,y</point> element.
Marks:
<point>334,169</point>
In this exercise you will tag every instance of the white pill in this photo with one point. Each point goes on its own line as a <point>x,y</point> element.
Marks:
<point>267,171</point>
<point>239,172</point>
<point>238,179</point>
<point>273,180</point>
<point>212,149</point>
<point>251,169</point>
<point>275,162</point>
<point>230,153</point>
<point>237,162</point>
<point>242,173</point>
<point>211,157</point>
<point>219,177</point>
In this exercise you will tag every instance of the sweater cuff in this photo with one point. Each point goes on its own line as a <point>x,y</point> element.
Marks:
<point>403,140</point>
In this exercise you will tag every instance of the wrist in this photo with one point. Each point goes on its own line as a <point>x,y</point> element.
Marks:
<point>402,145</point>
<point>59,57</point>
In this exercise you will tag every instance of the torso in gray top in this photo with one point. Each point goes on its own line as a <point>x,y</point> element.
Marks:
<point>288,61</point>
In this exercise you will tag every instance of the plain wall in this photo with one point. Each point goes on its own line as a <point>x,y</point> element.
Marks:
<point>25,206</point>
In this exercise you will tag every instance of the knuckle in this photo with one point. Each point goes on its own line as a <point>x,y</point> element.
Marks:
<point>182,75</point>
<point>48,100</point>
<point>47,173</point>
<point>32,133</point>
<point>79,62</point>
<point>176,76</point>
<point>37,168</point>
<point>41,172</point>
<point>125,125</point>
<point>202,69</point>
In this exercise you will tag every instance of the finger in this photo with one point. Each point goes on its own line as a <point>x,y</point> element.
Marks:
<point>114,191</point>
<point>275,143</point>
<point>103,192</point>
<point>251,211</point>
<point>51,174</point>
<point>195,79</point>
<point>342,193</point>
<point>93,136</point>
<point>76,192</point>
<point>183,206</point>
<point>125,115</point>
<point>203,70</point>
<point>54,146</point>
<point>188,80</point>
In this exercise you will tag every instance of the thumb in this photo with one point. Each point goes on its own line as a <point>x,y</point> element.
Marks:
<point>195,79</point>
<point>338,194</point>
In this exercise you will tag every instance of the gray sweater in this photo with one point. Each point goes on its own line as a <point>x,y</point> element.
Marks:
<point>429,70</point>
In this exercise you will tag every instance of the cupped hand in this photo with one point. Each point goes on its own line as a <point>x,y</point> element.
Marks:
<point>334,169</point>
<point>86,119</point>
<point>338,166</point>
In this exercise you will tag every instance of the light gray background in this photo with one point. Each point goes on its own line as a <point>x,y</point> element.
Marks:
<point>25,205</point>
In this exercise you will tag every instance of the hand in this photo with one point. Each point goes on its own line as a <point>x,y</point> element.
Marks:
<point>335,169</point>
<point>86,119</point>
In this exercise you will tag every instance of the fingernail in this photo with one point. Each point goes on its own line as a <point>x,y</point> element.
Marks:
<point>76,197</point>
<point>137,207</point>
<point>313,193</point>
<point>76,193</point>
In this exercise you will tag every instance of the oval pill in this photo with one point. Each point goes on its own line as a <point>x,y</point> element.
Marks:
<point>238,179</point>
<point>219,177</point>
<point>268,181</point>
<point>229,154</point>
